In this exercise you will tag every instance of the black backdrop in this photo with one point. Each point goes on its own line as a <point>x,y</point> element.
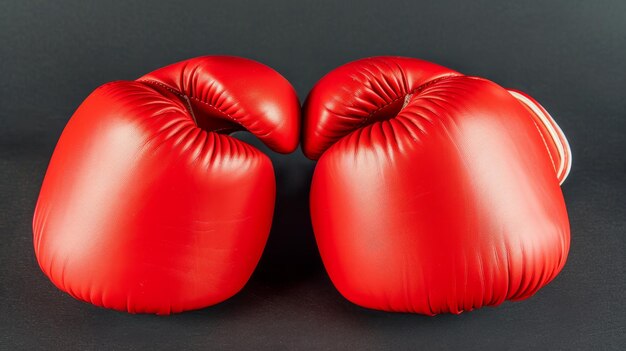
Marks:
<point>569,55</point>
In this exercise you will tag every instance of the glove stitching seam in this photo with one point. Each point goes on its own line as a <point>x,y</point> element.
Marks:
<point>180,94</point>
<point>413,91</point>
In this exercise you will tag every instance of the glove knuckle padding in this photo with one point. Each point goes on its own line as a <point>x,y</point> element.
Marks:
<point>143,211</point>
<point>446,204</point>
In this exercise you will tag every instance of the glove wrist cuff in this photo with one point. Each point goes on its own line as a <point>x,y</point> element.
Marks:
<point>556,142</point>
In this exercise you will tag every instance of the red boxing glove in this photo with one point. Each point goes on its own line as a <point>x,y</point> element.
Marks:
<point>148,206</point>
<point>434,192</point>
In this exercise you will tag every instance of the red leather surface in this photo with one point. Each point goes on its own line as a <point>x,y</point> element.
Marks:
<point>446,202</point>
<point>142,210</point>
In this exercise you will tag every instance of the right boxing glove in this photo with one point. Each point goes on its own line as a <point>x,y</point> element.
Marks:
<point>148,205</point>
<point>434,191</point>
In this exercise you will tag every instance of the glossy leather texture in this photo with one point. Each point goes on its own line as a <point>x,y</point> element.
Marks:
<point>148,205</point>
<point>434,192</point>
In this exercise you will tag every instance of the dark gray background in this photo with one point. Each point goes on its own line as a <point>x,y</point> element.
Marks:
<point>569,55</point>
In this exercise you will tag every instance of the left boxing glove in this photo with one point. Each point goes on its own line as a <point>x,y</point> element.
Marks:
<point>148,206</point>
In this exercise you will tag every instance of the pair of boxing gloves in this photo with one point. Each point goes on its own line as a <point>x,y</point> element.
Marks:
<point>434,192</point>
